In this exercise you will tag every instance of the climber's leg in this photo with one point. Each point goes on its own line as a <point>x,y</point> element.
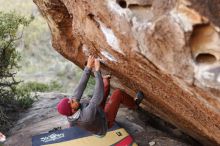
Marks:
<point>114,102</point>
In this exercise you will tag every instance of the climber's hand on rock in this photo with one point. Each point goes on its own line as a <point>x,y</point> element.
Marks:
<point>97,65</point>
<point>90,62</point>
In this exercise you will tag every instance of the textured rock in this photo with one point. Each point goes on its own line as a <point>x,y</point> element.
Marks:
<point>166,48</point>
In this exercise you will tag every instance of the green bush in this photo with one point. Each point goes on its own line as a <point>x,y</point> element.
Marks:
<point>40,87</point>
<point>25,98</point>
<point>10,97</point>
<point>90,86</point>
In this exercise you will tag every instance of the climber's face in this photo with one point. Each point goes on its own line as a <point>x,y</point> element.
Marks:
<point>74,105</point>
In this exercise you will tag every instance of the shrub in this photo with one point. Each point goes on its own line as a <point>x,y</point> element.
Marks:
<point>40,87</point>
<point>24,98</point>
<point>10,96</point>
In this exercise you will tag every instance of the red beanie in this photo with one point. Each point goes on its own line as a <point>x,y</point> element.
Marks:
<point>64,108</point>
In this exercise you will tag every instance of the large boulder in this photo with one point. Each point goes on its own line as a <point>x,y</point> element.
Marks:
<point>169,49</point>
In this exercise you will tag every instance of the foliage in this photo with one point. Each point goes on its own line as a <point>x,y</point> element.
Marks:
<point>29,89</point>
<point>90,86</point>
<point>32,52</point>
<point>40,87</point>
<point>10,97</point>
<point>38,58</point>
<point>24,97</point>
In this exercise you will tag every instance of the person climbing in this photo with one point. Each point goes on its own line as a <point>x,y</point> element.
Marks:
<point>96,115</point>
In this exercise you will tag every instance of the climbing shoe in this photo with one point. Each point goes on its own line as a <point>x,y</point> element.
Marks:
<point>139,97</point>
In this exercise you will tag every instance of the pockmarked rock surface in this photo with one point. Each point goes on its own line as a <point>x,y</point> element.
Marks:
<point>169,49</point>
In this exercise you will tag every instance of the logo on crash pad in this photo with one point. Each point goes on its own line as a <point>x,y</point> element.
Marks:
<point>52,137</point>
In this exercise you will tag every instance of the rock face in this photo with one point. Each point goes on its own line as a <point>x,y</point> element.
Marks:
<point>166,48</point>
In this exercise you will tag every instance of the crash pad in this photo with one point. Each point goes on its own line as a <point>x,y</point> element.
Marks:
<point>75,136</point>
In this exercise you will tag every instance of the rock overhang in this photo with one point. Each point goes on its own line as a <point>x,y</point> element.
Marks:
<point>148,46</point>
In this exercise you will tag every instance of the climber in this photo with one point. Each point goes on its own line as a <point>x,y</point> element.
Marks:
<point>94,115</point>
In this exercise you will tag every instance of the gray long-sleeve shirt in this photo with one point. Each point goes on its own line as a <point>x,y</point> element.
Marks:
<point>92,117</point>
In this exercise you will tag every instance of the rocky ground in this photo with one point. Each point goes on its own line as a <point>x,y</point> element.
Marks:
<point>145,128</point>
